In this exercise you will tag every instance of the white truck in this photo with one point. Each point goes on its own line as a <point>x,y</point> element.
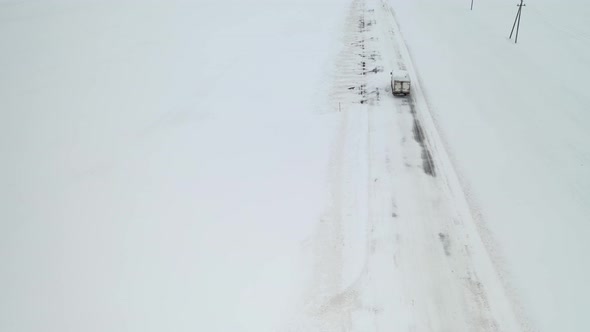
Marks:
<point>400,83</point>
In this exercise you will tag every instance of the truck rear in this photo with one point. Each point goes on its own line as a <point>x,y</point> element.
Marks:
<point>400,83</point>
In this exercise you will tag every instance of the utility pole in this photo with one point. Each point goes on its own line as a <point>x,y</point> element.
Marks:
<point>517,21</point>
<point>471,4</point>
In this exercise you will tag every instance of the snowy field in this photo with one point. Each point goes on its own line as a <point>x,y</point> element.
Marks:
<point>162,161</point>
<point>243,166</point>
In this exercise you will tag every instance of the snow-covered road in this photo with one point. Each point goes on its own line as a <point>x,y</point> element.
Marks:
<point>397,249</point>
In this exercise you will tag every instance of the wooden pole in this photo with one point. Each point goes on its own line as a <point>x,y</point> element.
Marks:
<point>516,23</point>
